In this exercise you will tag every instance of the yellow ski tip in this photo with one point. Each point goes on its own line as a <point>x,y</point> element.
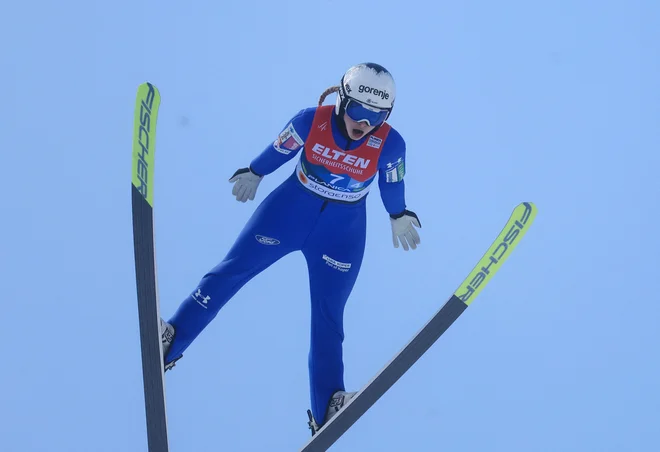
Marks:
<point>520,221</point>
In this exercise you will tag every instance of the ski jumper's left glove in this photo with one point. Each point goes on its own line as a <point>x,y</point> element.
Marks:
<point>403,229</point>
<point>245,183</point>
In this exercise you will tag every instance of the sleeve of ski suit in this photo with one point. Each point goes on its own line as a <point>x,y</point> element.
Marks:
<point>391,169</point>
<point>287,144</point>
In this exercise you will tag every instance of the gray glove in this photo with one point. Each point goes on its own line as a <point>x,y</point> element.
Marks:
<point>245,184</point>
<point>403,229</point>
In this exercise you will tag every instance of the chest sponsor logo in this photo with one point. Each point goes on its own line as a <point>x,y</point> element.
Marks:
<point>327,191</point>
<point>340,160</point>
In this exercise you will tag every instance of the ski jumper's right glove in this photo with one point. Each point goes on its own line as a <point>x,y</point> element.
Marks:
<point>403,229</point>
<point>245,183</point>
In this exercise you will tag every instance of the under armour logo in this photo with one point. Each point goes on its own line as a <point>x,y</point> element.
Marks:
<point>201,299</point>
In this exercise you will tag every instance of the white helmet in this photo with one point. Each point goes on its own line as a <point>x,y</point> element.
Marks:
<point>372,86</point>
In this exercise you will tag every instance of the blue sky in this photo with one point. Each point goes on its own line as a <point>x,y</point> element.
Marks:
<point>499,103</point>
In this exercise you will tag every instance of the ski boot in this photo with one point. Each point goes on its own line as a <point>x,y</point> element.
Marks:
<point>167,337</point>
<point>338,400</point>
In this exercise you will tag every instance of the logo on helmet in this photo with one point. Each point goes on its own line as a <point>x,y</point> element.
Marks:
<point>376,92</point>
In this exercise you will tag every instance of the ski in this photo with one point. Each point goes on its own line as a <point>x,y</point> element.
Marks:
<point>518,224</point>
<point>142,187</point>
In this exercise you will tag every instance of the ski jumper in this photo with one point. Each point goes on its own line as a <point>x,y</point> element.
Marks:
<point>326,196</point>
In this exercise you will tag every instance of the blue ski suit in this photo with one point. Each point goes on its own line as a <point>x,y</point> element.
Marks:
<point>320,211</point>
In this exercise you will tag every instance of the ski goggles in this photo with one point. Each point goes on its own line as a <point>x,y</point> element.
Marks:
<point>360,112</point>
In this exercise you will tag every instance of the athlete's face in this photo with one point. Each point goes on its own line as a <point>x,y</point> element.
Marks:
<point>356,130</point>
